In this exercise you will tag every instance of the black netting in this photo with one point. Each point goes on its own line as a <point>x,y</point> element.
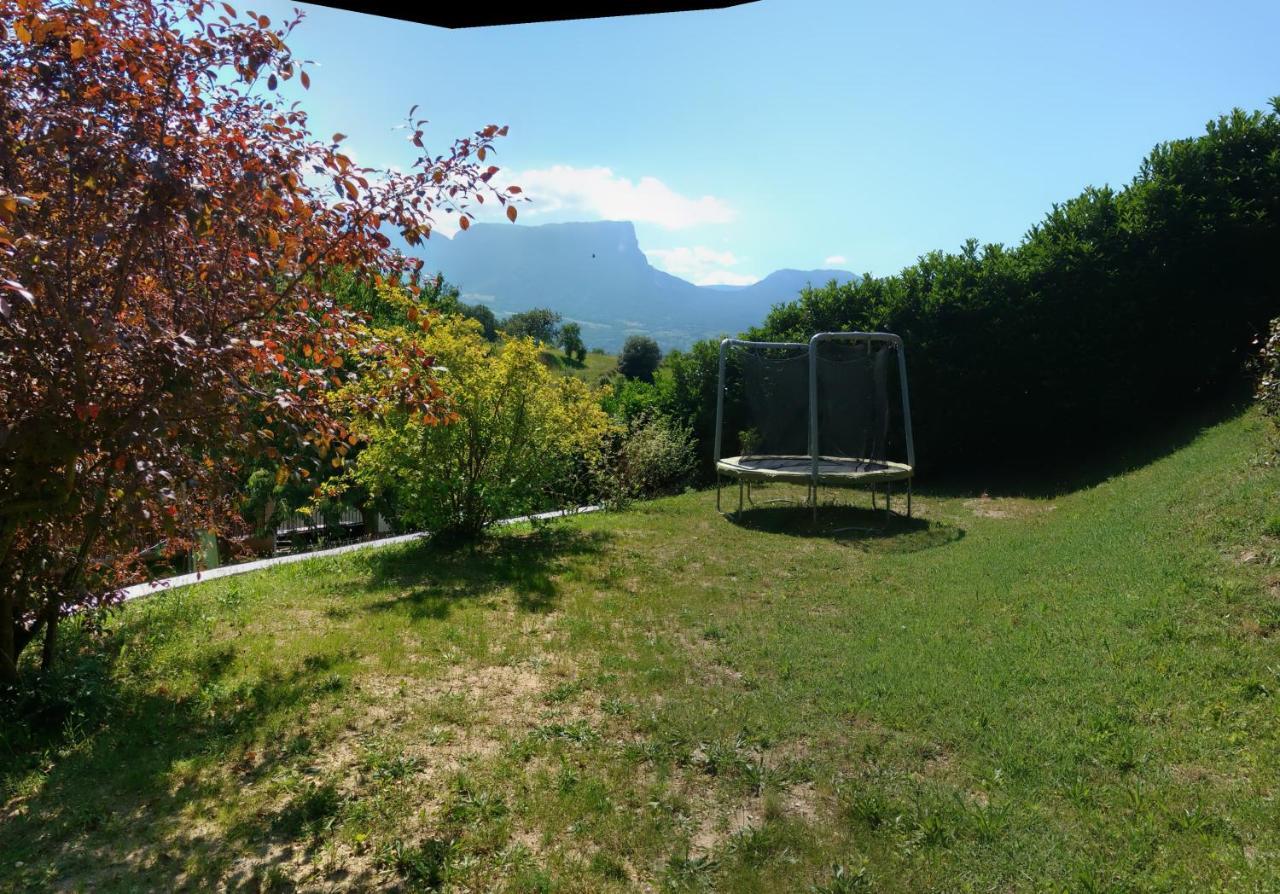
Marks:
<point>776,388</point>
<point>859,398</point>
<point>853,398</point>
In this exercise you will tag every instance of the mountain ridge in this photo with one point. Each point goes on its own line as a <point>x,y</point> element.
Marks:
<point>594,273</point>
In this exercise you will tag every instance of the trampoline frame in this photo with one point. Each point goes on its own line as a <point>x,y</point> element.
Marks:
<point>814,478</point>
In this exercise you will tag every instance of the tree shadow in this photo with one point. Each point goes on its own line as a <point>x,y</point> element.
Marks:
<point>431,578</point>
<point>1086,464</point>
<point>111,778</point>
<point>108,779</point>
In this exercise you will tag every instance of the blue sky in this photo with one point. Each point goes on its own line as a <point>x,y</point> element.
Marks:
<point>787,133</point>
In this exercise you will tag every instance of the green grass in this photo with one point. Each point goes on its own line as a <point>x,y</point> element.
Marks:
<point>1071,693</point>
<point>593,370</point>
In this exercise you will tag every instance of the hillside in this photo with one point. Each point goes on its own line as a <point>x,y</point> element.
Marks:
<point>1009,693</point>
<point>595,273</point>
<point>593,370</point>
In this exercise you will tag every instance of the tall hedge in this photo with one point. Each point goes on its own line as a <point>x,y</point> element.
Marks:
<point>1114,312</point>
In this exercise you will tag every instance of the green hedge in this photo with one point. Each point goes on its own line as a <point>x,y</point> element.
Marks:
<point>1114,313</point>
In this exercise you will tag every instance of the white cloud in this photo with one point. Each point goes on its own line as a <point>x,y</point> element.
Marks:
<point>726,278</point>
<point>836,259</point>
<point>600,193</point>
<point>700,265</point>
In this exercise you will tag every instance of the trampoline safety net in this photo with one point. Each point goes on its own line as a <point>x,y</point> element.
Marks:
<point>841,397</point>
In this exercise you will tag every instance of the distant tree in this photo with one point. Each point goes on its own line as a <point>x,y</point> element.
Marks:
<point>571,342</point>
<point>484,316</point>
<point>640,358</point>
<point>540,324</point>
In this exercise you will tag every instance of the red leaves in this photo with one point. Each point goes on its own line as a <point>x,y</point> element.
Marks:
<point>199,238</point>
<point>511,213</point>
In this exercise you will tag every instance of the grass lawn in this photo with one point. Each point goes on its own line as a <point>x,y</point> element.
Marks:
<point>593,370</point>
<point>1067,692</point>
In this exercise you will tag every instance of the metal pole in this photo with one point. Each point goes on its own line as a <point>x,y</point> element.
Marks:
<point>724,344</point>
<point>906,404</point>
<point>813,420</point>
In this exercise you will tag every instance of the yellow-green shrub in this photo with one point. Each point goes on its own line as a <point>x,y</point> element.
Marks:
<point>515,436</point>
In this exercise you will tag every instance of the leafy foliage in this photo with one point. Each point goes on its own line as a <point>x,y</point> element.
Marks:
<point>167,226</point>
<point>639,358</point>
<point>540,324</point>
<point>571,342</point>
<point>1114,312</point>
<point>1267,366</point>
<point>516,433</point>
<point>651,457</point>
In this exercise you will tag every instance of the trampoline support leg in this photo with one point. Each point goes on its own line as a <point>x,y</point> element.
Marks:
<point>717,491</point>
<point>874,488</point>
<point>908,498</point>
<point>813,489</point>
<point>888,499</point>
<point>739,496</point>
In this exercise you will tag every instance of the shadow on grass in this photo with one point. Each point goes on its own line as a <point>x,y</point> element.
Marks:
<point>106,784</point>
<point>849,525</point>
<point>432,578</point>
<point>1099,456</point>
<point>121,773</point>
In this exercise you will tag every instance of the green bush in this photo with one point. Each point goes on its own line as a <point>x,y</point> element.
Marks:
<point>628,399</point>
<point>639,358</point>
<point>514,434</point>
<point>1113,314</point>
<point>651,457</point>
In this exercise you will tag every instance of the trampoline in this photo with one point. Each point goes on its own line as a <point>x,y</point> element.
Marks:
<point>817,413</point>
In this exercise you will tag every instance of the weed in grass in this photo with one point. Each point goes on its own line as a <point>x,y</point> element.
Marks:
<point>606,866</point>
<point>423,866</point>
<point>845,880</point>
<point>578,731</point>
<point>231,597</point>
<point>686,873</point>
<point>616,707</point>
<point>989,823</point>
<point>758,846</point>
<point>311,812</point>
<point>563,692</point>
<point>531,880</point>
<point>867,806</point>
<point>470,805</point>
<point>384,764</point>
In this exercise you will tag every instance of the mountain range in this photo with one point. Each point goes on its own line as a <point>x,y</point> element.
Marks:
<point>595,274</point>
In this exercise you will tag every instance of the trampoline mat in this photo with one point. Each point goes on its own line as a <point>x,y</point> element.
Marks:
<point>832,470</point>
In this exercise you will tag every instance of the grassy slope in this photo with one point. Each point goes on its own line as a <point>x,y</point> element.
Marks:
<point>1076,693</point>
<point>594,369</point>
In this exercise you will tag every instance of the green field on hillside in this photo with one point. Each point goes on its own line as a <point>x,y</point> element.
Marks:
<point>595,369</point>
<point>1073,691</point>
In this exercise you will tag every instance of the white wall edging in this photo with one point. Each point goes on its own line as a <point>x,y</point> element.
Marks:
<point>183,580</point>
